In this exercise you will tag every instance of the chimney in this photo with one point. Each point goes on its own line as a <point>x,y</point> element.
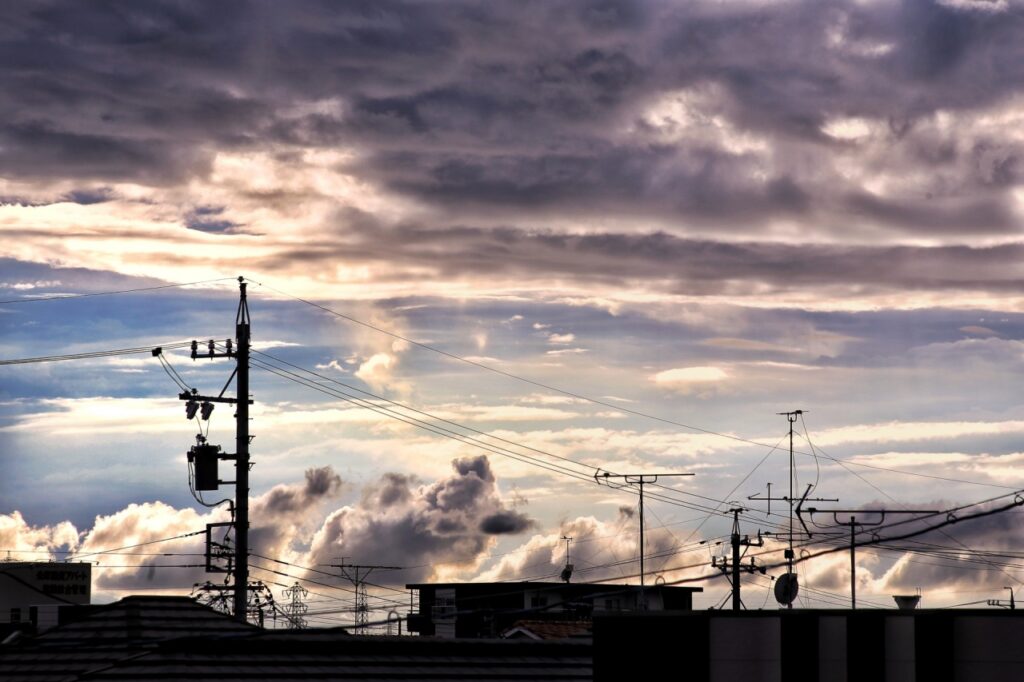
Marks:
<point>907,602</point>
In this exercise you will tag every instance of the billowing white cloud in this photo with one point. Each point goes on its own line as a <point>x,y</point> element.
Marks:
<point>698,380</point>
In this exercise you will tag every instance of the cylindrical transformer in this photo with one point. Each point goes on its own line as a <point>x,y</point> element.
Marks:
<point>204,459</point>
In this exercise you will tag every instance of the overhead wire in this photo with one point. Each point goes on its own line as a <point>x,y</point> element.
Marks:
<point>603,403</point>
<point>877,540</point>
<point>316,385</point>
<point>892,499</point>
<point>735,488</point>
<point>468,439</point>
<point>88,355</point>
<point>66,297</point>
<point>462,436</point>
<point>138,544</point>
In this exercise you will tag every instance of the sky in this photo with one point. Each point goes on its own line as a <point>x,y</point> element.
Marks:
<point>618,236</point>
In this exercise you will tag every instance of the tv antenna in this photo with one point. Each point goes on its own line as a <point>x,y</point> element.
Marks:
<point>787,587</point>
<point>853,523</point>
<point>567,571</point>
<point>638,480</point>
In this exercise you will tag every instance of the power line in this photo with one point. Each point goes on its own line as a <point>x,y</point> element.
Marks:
<point>403,406</point>
<point>95,354</point>
<point>139,544</point>
<point>326,573</point>
<point>66,297</point>
<point>470,440</point>
<point>875,540</point>
<point>603,403</point>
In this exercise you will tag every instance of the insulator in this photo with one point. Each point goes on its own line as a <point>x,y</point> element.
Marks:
<point>195,348</point>
<point>191,407</point>
<point>207,410</point>
<point>227,344</point>
<point>209,346</point>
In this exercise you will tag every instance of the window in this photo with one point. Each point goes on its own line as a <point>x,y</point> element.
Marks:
<point>444,607</point>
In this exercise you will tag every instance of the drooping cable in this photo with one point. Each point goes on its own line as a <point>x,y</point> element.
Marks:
<point>603,403</point>
<point>67,297</point>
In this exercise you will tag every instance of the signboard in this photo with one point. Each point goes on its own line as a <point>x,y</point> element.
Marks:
<point>67,582</point>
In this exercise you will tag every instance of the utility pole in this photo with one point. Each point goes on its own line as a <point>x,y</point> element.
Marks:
<point>205,457</point>
<point>639,480</point>
<point>1002,603</point>
<point>358,579</point>
<point>735,567</point>
<point>242,338</point>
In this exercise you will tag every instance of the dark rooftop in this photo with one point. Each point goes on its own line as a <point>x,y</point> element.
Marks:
<point>174,638</point>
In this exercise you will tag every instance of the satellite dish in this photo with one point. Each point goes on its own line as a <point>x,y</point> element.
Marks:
<point>786,588</point>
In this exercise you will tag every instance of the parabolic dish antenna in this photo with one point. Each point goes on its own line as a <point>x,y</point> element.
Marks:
<point>786,588</point>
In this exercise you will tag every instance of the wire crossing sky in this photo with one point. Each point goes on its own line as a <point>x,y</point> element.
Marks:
<point>498,248</point>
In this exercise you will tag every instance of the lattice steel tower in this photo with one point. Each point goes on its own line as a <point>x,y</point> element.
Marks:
<point>296,607</point>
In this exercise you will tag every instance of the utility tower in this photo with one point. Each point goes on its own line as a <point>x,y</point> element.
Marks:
<point>638,480</point>
<point>296,607</point>
<point>357,575</point>
<point>735,567</point>
<point>205,457</point>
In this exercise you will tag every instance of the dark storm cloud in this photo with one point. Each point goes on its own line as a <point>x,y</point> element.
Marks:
<point>402,523</point>
<point>286,509</point>
<point>506,522</point>
<point>520,107</point>
<point>286,499</point>
<point>690,266</point>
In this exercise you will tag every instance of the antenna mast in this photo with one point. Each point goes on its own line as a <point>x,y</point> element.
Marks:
<point>787,586</point>
<point>639,480</point>
<point>791,417</point>
<point>567,571</point>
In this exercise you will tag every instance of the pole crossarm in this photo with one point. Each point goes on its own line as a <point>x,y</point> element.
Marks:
<point>732,569</point>
<point>209,398</point>
<point>880,513</point>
